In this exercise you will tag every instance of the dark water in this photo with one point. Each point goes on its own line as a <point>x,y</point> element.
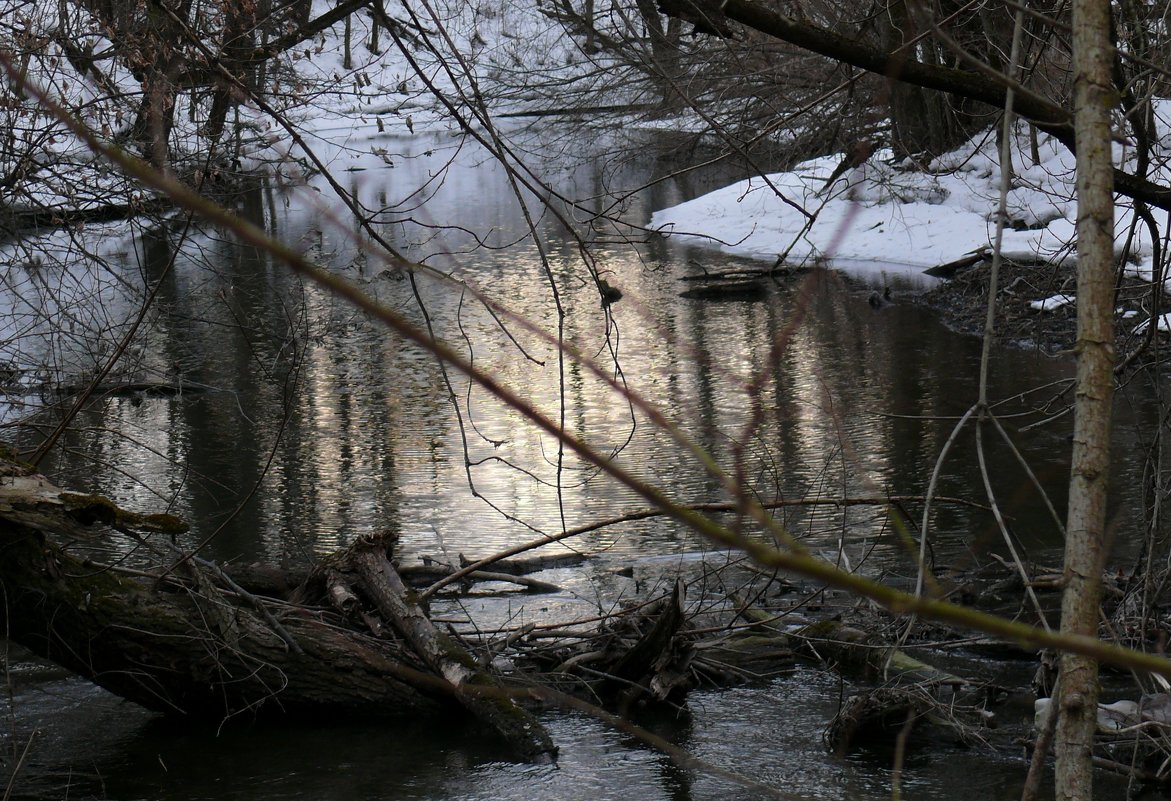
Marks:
<point>93,745</point>
<point>315,425</point>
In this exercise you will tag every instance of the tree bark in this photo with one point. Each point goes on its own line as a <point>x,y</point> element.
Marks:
<point>185,647</point>
<point>174,650</point>
<point>922,121</point>
<point>474,686</point>
<point>1094,97</point>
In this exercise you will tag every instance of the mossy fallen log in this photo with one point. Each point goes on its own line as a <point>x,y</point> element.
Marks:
<point>157,645</point>
<point>848,649</point>
<point>194,643</point>
<point>860,654</point>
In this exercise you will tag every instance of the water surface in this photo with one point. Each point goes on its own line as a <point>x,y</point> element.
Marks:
<point>313,425</point>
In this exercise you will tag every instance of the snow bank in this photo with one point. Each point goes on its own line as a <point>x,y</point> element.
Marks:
<point>884,212</point>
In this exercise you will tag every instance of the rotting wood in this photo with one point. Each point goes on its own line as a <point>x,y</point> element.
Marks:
<point>476,688</point>
<point>420,573</point>
<point>742,290</point>
<point>641,655</point>
<point>282,582</point>
<point>849,650</point>
<point>434,568</point>
<point>746,273</point>
<point>744,656</point>
<point>187,645</point>
<point>155,647</point>
<point>857,653</point>
<point>658,662</point>
<point>14,221</point>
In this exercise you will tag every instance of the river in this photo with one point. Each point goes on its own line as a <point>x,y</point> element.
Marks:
<point>305,425</point>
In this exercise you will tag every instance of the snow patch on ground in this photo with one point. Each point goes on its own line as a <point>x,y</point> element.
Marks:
<point>892,212</point>
<point>1052,303</point>
<point>1162,324</point>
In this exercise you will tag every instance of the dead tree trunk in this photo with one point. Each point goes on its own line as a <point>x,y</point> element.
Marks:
<point>476,688</point>
<point>196,644</point>
<point>174,649</point>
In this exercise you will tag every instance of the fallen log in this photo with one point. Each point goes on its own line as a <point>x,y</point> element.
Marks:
<point>948,270</point>
<point>297,583</point>
<point>474,686</point>
<point>155,644</point>
<point>434,568</point>
<point>129,389</point>
<point>15,221</point>
<point>857,653</point>
<point>416,574</point>
<point>195,644</point>
<point>739,290</point>
<point>744,655</point>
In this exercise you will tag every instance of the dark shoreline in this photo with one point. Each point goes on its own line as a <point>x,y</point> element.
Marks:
<point>962,303</point>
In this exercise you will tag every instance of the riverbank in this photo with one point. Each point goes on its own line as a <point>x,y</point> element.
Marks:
<point>883,212</point>
<point>1036,306</point>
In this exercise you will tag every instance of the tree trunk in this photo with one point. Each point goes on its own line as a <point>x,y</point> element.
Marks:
<point>664,70</point>
<point>922,121</point>
<point>474,686</point>
<point>1093,99</point>
<point>238,42</point>
<point>203,647</point>
<point>176,650</point>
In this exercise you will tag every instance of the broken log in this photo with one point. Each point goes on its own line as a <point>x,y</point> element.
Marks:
<point>298,583</point>
<point>433,568</point>
<point>15,221</point>
<point>658,663</point>
<point>189,644</point>
<point>744,654</point>
<point>727,291</point>
<point>950,269</point>
<point>154,644</point>
<point>854,652</point>
<point>417,574</point>
<point>851,651</point>
<point>476,688</point>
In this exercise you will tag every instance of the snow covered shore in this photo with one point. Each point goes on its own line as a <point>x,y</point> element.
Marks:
<point>883,213</point>
<point>352,94</point>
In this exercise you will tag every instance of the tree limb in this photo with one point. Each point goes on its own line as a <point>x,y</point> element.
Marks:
<point>899,65</point>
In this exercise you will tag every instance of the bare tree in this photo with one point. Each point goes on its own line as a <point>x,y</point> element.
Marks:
<point>1090,472</point>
